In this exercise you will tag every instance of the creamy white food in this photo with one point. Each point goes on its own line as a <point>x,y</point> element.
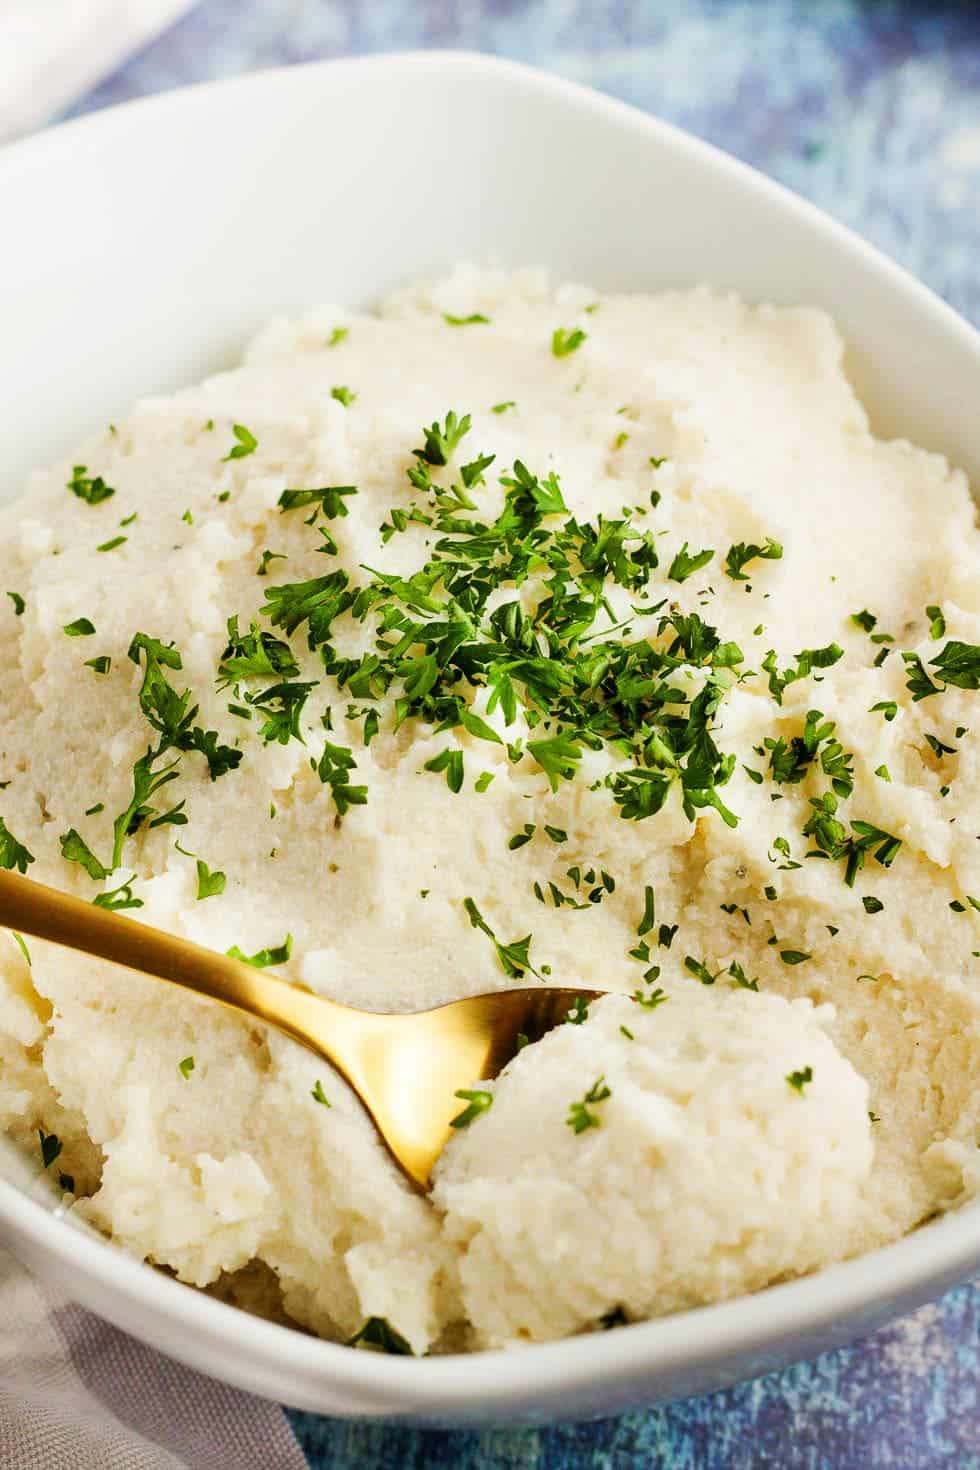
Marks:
<point>575,758</point>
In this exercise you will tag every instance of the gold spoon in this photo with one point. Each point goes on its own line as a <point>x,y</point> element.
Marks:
<point>405,1068</point>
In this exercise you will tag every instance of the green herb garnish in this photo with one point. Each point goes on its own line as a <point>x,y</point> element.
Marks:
<point>13,854</point>
<point>742,553</point>
<point>93,490</point>
<point>580,1114</point>
<point>264,957</point>
<point>478,1103</point>
<point>209,884</point>
<point>247,443</point>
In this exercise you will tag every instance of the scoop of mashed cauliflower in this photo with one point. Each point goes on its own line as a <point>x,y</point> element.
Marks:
<point>723,1142</point>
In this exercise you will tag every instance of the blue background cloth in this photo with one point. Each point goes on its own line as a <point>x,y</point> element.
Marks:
<point>871,108</point>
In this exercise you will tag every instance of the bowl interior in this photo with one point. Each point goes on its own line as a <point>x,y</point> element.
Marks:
<point>151,241</point>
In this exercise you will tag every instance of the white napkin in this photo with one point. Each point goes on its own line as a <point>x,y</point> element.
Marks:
<point>75,1392</point>
<point>52,51</point>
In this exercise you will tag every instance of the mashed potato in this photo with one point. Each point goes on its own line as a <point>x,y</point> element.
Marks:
<point>526,635</point>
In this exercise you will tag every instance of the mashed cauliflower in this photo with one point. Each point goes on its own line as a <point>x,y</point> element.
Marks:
<point>511,634</point>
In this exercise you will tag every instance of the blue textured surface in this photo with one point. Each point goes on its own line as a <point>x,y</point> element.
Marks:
<point>872,109</point>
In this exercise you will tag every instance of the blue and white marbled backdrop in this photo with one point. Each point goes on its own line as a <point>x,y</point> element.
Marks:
<point>871,108</point>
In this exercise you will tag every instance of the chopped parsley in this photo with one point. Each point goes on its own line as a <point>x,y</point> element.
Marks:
<point>171,716</point>
<point>503,407</point>
<point>579,1012</point>
<point>111,545</point>
<point>93,490</point>
<point>651,999</point>
<point>580,1114</point>
<point>957,664</point>
<point>514,957</point>
<point>377,1335</point>
<point>102,664</point>
<point>342,394</point>
<point>13,854</point>
<point>334,768</point>
<point>74,849</point>
<point>262,570</point>
<point>478,1102</point>
<point>520,838</point>
<point>937,623</point>
<point>806,661</point>
<point>475,318</point>
<point>938,747</point>
<point>700,970</point>
<point>872,905</point>
<point>441,441</point>
<point>186,1067</point>
<point>566,340</point>
<point>50,1147</point>
<point>338,335</point>
<point>794,956</point>
<point>449,762</point>
<point>247,443</point>
<point>118,898</point>
<point>799,1080</point>
<point>80,628</point>
<point>18,602</point>
<point>319,1095</point>
<point>209,884</point>
<point>684,565</point>
<point>264,957</point>
<point>742,553</point>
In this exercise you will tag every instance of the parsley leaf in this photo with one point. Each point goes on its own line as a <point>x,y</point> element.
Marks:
<point>806,661</point>
<point>565,340</point>
<point>209,884</point>
<point>75,849</point>
<point>474,319</point>
<point>580,1114</point>
<point>92,490</point>
<point>440,442</point>
<point>937,623</point>
<point>50,1147</point>
<point>247,443</point>
<point>742,553</point>
<point>80,628</point>
<point>13,854</point>
<point>118,898</point>
<point>684,565</point>
<point>514,957</point>
<point>478,1102</point>
<point>334,768</point>
<point>264,957</point>
<point>379,1336</point>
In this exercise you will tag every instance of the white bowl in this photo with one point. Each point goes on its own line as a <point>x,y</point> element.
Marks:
<point>141,246</point>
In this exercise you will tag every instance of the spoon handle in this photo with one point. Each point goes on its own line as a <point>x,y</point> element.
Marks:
<point>45,913</point>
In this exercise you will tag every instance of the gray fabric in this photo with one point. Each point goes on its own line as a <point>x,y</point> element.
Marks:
<point>77,1394</point>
